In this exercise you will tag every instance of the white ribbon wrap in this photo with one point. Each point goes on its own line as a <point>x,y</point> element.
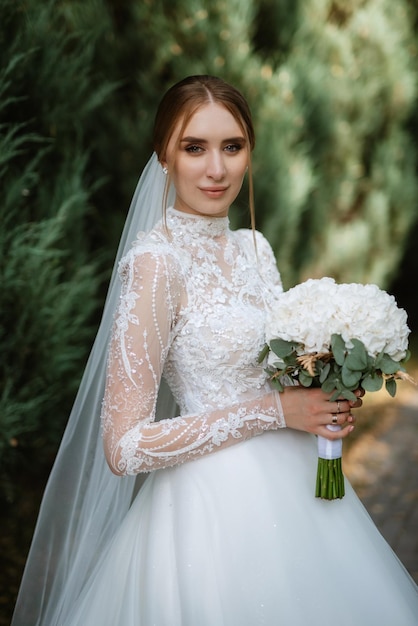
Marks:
<point>330,449</point>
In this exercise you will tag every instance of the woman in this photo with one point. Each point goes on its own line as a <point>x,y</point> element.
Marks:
<point>236,536</point>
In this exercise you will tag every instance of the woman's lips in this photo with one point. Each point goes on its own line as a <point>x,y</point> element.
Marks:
<point>213,192</point>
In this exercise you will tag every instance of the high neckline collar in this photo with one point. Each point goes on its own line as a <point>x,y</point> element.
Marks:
<point>197,224</point>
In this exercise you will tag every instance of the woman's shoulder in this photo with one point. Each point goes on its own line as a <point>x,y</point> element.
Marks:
<point>258,248</point>
<point>152,251</point>
<point>255,240</point>
<point>156,242</point>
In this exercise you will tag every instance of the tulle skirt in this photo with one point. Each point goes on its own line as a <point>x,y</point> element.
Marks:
<point>237,538</point>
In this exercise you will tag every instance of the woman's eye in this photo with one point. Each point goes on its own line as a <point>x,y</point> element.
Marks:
<point>193,149</point>
<point>233,147</point>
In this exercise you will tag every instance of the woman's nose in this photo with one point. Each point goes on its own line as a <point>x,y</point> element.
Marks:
<point>216,166</point>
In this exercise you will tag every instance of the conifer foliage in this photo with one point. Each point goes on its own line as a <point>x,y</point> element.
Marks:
<point>48,283</point>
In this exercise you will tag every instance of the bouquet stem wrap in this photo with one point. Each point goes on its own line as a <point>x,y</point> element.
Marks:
<point>329,477</point>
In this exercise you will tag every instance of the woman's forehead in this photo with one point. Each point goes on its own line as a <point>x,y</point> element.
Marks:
<point>211,118</point>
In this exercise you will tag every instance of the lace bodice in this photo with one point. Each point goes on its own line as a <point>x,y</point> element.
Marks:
<point>192,309</point>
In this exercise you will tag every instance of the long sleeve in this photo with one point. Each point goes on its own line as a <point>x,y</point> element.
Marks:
<point>152,295</point>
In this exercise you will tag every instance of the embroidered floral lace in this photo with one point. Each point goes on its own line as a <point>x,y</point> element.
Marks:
<point>192,310</point>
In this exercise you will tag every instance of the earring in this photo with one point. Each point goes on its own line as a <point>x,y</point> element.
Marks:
<point>165,170</point>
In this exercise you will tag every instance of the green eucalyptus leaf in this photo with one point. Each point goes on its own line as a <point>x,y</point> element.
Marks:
<point>372,382</point>
<point>338,348</point>
<point>264,352</point>
<point>305,379</point>
<point>370,362</point>
<point>324,373</point>
<point>282,348</point>
<point>379,356</point>
<point>336,368</point>
<point>390,385</point>
<point>356,358</point>
<point>291,360</point>
<point>407,356</point>
<point>335,395</point>
<point>278,365</point>
<point>349,377</point>
<point>348,394</point>
<point>339,384</point>
<point>270,371</point>
<point>387,364</point>
<point>328,385</point>
<point>275,382</point>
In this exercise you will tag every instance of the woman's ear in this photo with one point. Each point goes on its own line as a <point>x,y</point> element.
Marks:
<point>163,164</point>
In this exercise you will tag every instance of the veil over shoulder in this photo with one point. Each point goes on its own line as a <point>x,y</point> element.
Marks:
<point>84,502</point>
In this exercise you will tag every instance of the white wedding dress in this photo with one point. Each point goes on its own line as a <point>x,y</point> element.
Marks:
<point>226,530</point>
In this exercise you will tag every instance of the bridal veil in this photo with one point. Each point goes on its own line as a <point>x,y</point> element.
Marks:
<point>84,503</point>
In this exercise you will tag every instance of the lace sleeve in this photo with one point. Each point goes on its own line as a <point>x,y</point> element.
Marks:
<point>143,330</point>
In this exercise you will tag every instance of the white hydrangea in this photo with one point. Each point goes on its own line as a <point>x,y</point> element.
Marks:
<point>314,310</point>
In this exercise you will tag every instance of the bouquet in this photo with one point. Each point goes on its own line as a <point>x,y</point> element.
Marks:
<point>339,337</point>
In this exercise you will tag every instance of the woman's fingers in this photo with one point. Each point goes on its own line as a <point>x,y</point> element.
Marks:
<point>311,410</point>
<point>345,406</point>
<point>332,435</point>
<point>341,418</point>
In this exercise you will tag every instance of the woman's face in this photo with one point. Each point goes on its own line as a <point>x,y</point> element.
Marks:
<point>207,167</point>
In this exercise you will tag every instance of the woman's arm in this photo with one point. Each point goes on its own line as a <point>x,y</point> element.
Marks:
<point>133,441</point>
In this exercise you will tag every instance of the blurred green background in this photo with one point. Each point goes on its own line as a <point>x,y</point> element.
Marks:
<point>333,89</point>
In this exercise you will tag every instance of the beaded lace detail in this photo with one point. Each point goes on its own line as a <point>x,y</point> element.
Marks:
<point>192,309</point>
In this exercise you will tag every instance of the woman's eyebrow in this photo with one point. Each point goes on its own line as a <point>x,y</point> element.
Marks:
<point>193,140</point>
<point>200,140</point>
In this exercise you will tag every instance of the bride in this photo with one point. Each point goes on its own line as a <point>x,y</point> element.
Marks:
<point>224,529</point>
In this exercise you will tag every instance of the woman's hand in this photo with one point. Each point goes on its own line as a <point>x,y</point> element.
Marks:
<point>310,410</point>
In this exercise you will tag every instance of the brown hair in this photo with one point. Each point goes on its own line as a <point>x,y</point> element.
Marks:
<point>182,101</point>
